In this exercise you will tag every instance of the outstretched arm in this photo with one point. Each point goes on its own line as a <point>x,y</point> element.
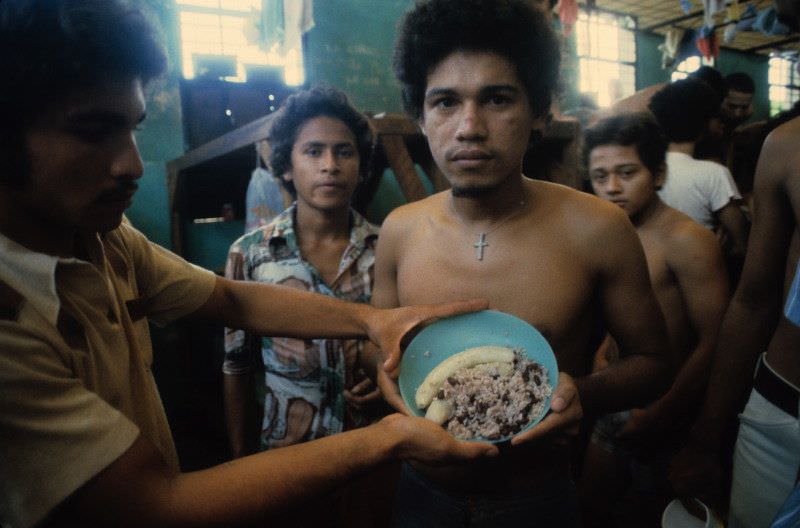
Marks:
<point>268,309</point>
<point>139,490</point>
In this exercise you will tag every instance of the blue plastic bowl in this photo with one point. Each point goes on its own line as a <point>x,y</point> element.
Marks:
<point>446,337</point>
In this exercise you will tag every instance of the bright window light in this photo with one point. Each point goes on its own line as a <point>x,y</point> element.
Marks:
<point>685,67</point>
<point>218,27</point>
<point>784,83</point>
<point>689,65</point>
<point>606,46</point>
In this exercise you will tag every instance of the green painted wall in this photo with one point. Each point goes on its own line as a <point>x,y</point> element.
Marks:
<point>161,137</point>
<point>648,61</point>
<point>350,47</point>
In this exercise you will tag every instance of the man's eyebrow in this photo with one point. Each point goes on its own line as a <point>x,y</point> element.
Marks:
<point>439,91</point>
<point>500,88</point>
<point>483,90</point>
<point>323,144</point>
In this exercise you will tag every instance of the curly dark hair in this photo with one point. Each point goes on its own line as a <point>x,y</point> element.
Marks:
<point>684,108</point>
<point>511,28</point>
<point>638,130</point>
<point>713,78</point>
<point>306,105</point>
<point>49,49</point>
<point>740,82</point>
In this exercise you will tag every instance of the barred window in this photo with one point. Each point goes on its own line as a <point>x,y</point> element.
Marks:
<point>784,83</point>
<point>606,47</point>
<point>219,27</point>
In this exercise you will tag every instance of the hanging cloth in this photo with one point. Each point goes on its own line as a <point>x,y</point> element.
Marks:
<point>711,8</point>
<point>686,6</point>
<point>707,43</point>
<point>767,23</point>
<point>272,24</point>
<point>747,19</point>
<point>568,14</point>
<point>671,46</point>
<point>298,18</point>
<point>734,14</point>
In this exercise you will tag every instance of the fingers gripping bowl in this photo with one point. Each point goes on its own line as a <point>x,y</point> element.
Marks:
<point>501,336</point>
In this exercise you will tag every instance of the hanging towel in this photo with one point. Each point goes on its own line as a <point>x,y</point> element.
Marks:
<point>272,23</point>
<point>671,46</point>
<point>734,13</point>
<point>298,18</point>
<point>748,18</point>
<point>687,6</point>
<point>767,23</point>
<point>711,8</point>
<point>729,34</point>
<point>568,14</point>
<point>708,45</point>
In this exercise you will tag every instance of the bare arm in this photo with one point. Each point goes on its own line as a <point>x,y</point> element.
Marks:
<point>748,324</point>
<point>755,308</point>
<point>633,318</point>
<point>139,490</point>
<point>241,413</point>
<point>736,225</point>
<point>269,309</point>
<point>696,260</point>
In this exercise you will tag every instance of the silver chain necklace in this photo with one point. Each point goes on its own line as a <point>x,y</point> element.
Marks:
<point>481,243</point>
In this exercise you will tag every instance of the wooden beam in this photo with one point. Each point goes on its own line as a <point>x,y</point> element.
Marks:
<point>774,44</point>
<point>246,135</point>
<point>393,124</point>
<point>673,21</point>
<point>403,166</point>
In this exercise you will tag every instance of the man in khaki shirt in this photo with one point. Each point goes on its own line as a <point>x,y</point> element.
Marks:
<point>84,437</point>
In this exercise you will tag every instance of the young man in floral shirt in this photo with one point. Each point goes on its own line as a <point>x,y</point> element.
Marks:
<point>318,244</point>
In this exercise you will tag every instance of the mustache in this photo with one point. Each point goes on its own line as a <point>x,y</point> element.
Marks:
<point>120,193</point>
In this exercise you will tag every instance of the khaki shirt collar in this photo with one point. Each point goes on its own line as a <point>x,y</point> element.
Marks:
<point>33,274</point>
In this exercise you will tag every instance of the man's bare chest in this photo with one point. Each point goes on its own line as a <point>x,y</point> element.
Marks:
<point>542,282</point>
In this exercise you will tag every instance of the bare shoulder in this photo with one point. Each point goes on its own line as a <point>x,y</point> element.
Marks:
<point>689,243</point>
<point>578,213</point>
<point>780,154</point>
<point>406,218</point>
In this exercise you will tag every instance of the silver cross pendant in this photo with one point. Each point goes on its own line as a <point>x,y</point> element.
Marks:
<point>479,245</point>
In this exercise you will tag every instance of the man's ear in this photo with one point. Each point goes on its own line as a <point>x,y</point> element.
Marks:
<point>287,176</point>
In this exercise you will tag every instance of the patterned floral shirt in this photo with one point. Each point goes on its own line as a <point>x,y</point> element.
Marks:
<point>303,381</point>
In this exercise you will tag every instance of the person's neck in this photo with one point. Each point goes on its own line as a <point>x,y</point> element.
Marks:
<point>494,205</point>
<point>649,214</point>
<point>315,225</point>
<point>686,147</point>
<point>25,227</point>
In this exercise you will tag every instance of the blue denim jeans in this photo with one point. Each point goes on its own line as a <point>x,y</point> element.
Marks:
<point>420,503</point>
<point>765,463</point>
